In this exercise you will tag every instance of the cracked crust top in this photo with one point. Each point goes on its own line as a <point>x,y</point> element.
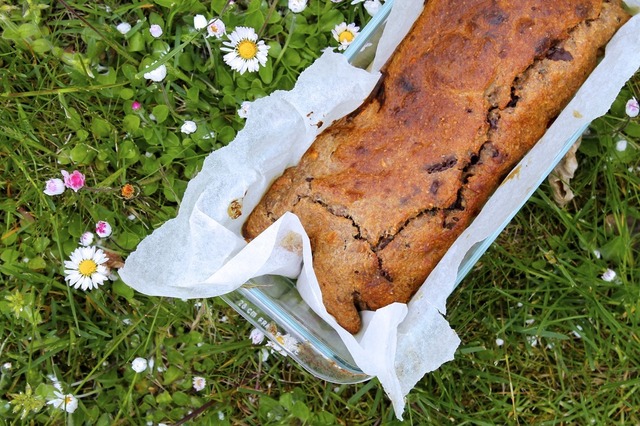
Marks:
<point>385,191</point>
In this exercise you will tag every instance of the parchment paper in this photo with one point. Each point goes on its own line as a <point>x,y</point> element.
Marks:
<point>201,252</point>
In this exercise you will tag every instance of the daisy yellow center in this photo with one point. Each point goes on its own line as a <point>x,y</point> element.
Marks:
<point>87,267</point>
<point>346,36</point>
<point>68,399</point>
<point>247,49</point>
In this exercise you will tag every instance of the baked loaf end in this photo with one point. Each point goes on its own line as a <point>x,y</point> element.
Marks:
<point>385,191</point>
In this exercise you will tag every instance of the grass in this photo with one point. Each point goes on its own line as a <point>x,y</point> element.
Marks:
<point>545,339</point>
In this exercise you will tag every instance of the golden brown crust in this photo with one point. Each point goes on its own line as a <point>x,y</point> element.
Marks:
<point>385,191</point>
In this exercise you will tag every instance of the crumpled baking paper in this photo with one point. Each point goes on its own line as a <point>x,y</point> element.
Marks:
<point>201,252</point>
<point>560,177</point>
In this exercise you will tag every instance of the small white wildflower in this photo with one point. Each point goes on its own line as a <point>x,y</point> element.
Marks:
<point>199,22</point>
<point>131,217</point>
<point>220,415</point>
<point>372,6</point>
<point>286,344</point>
<point>245,51</point>
<point>533,340</point>
<point>216,28</point>
<point>264,354</point>
<point>224,319</point>
<point>188,127</point>
<point>297,6</point>
<point>155,30</point>
<point>157,74</point>
<point>126,321</point>
<point>609,275</point>
<point>66,402</point>
<point>123,27</point>
<point>530,321</point>
<point>86,268</point>
<point>345,34</point>
<point>256,336</point>
<point>86,239</point>
<point>54,187</point>
<point>243,111</point>
<point>199,383</point>
<point>519,305</point>
<point>632,108</point>
<point>597,253</point>
<point>621,145</point>
<point>139,365</point>
<point>103,229</point>
<point>499,342</point>
<point>7,366</point>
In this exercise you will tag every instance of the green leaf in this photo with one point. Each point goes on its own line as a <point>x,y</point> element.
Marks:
<point>165,3</point>
<point>172,374</point>
<point>131,123</point>
<point>126,93</point>
<point>161,112</point>
<point>121,289</point>
<point>41,45</point>
<point>181,399</point>
<point>37,263</point>
<point>136,43</point>
<point>266,73</point>
<point>101,128</point>
<point>29,30</point>
<point>82,154</point>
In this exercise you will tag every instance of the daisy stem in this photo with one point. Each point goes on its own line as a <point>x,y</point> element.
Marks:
<point>272,8</point>
<point>286,42</point>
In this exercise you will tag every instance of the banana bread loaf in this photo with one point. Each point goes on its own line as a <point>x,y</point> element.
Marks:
<point>386,190</point>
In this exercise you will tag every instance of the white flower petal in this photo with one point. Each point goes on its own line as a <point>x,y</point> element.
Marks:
<point>199,22</point>
<point>158,74</point>
<point>123,27</point>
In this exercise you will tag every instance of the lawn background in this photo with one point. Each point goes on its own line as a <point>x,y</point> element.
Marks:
<point>545,339</point>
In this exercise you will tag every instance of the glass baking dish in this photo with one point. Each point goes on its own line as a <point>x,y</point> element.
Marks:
<point>273,305</point>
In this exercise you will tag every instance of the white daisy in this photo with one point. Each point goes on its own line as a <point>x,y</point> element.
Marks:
<point>243,111</point>
<point>199,383</point>
<point>632,108</point>
<point>609,275</point>
<point>155,30</point>
<point>85,268</point>
<point>246,52</point>
<point>286,343</point>
<point>372,6</point>
<point>256,336</point>
<point>344,34</point>
<point>123,27</point>
<point>199,22</point>
<point>216,28</point>
<point>188,127</point>
<point>297,6</point>
<point>86,239</point>
<point>54,187</point>
<point>139,365</point>
<point>103,229</point>
<point>66,402</point>
<point>157,74</point>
